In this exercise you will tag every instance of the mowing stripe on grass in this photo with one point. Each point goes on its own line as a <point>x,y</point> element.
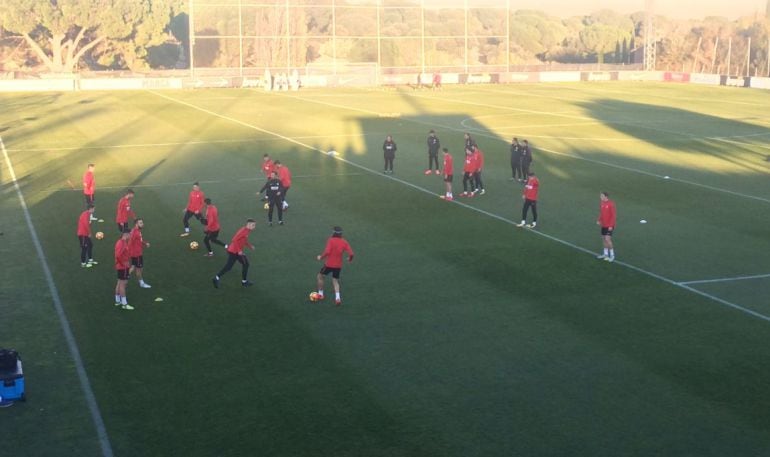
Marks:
<point>599,162</point>
<point>72,345</point>
<point>188,183</point>
<point>734,278</point>
<point>492,215</point>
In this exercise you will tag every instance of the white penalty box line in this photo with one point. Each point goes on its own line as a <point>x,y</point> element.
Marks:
<point>728,279</point>
<point>464,205</point>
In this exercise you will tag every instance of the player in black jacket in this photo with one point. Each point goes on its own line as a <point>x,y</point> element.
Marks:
<point>526,160</point>
<point>274,197</point>
<point>516,173</point>
<point>433,147</point>
<point>389,150</point>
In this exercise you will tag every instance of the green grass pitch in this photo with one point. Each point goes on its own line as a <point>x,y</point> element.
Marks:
<point>459,335</point>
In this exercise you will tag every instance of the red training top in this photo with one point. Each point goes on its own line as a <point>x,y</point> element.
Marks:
<point>124,210</point>
<point>448,165</point>
<point>84,223</point>
<point>239,241</point>
<point>195,201</point>
<point>135,243</point>
<point>267,167</point>
<point>470,164</point>
<point>285,176</point>
<point>88,183</point>
<point>122,258</point>
<point>479,158</point>
<point>335,248</point>
<point>607,214</point>
<point>212,216</point>
<point>530,190</point>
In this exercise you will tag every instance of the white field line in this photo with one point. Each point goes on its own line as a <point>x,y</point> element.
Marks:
<point>189,183</point>
<point>734,278</point>
<point>741,143</point>
<point>495,137</point>
<point>85,384</point>
<point>472,208</point>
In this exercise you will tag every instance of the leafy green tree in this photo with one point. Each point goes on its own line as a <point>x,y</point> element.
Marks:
<point>61,32</point>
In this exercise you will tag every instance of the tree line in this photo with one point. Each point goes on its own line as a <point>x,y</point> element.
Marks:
<point>65,36</point>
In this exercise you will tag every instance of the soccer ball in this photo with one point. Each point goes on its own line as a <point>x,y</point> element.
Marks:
<point>193,245</point>
<point>267,206</point>
<point>314,296</point>
<point>99,235</point>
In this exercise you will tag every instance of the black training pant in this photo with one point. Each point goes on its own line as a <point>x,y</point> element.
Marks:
<point>467,179</point>
<point>516,172</point>
<point>188,214</point>
<point>527,205</point>
<point>525,168</point>
<point>86,247</point>
<point>275,202</point>
<point>231,259</point>
<point>389,162</point>
<point>212,237</point>
<point>477,179</point>
<point>432,158</point>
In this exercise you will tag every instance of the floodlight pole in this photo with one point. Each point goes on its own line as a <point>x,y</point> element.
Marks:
<point>748,58</point>
<point>379,42</point>
<point>465,6</point>
<point>288,40</point>
<point>191,38</point>
<point>649,36</point>
<point>714,57</point>
<point>508,35</point>
<point>240,38</point>
<point>334,37</point>
<point>422,36</point>
<point>729,53</point>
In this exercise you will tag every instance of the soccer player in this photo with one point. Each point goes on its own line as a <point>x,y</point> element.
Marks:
<point>194,207</point>
<point>235,254</point>
<point>468,169</point>
<point>136,245</point>
<point>448,171</point>
<point>285,176</point>
<point>89,185</point>
<point>336,247</point>
<point>526,160</point>
<point>212,228</point>
<point>529,195</point>
<point>516,173</point>
<point>436,81</point>
<point>389,149</point>
<point>267,165</point>
<point>606,220</point>
<point>433,147</point>
<point>478,159</point>
<point>469,142</point>
<point>124,211</point>
<point>84,237</point>
<point>122,266</point>
<point>275,195</point>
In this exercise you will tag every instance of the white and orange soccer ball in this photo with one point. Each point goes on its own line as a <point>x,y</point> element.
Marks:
<point>99,235</point>
<point>314,296</point>
<point>193,245</point>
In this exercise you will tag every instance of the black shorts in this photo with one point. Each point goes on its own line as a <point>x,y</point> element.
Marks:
<point>122,226</point>
<point>212,234</point>
<point>448,178</point>
<point>138,262</point>
<point>123,274</point>
<point>606,231</point>
<point>334,271</point>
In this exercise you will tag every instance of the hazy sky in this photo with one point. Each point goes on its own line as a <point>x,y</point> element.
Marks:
<point>689,9</point>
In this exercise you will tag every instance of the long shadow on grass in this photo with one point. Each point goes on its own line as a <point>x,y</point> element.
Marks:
<point>666,127</point>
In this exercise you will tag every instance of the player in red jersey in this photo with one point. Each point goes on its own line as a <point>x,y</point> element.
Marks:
<point>235,254</point>
<point>136,245</point>
<point>478,159</point>
<point>285,176</point>
<point>89,186</point>
<point>469,168</point>
<point>122,266</point>
<point>124,211</point>
<point>194,207</point>
<point>606,220</point>
<point>212,228</point>
<point>84,237</point>
<point>448,174</point>
<point>267,165</point>
<point>529,195</point>
<point>336,247</point>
